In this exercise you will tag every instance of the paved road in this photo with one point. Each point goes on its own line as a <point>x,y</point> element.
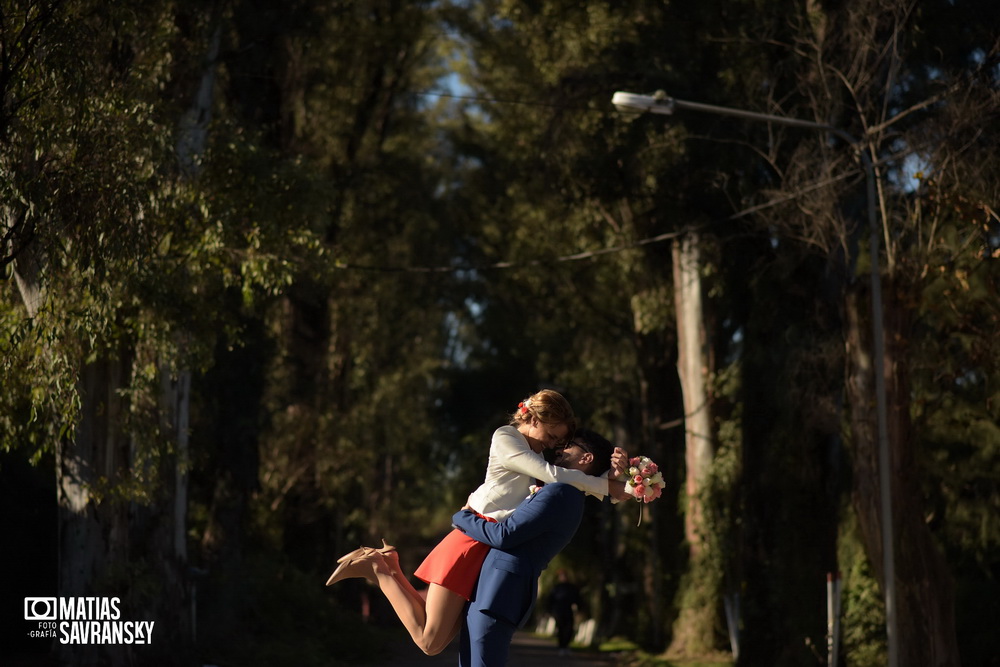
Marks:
<point>526,651</point>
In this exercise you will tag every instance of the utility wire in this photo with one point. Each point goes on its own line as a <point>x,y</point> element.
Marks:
<point>591,253</point>
<point>588,254</point>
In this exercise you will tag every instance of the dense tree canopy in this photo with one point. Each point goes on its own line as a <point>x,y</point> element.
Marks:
<point>274,273</point>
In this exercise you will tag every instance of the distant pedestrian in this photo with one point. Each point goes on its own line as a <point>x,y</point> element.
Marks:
<point>564,602</point>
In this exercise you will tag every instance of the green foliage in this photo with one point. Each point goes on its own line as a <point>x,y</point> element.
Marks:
<point>391,272</point>
<point>956,396</point>
<point>348,202</point>
<point>31,357</point>
<point>862,602</point>
<point>81,146</point>
<point>721,493</point>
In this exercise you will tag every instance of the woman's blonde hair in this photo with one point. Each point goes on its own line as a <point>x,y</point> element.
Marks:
<point>548,407</point>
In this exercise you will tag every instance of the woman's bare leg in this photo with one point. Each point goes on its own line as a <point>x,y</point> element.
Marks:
<point>389,565</point>
<point>444,616</point>
<point>432,623</point>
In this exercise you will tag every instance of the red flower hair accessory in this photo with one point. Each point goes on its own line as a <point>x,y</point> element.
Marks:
<point>523,407</point>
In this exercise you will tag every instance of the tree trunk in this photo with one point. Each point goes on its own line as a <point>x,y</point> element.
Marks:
<point>233,388</point>
<point>93,532</point>
<point>90,533</point>
<point>167,529</point>
<point>168,516</point>
<point>26,276</point>
<point>659,434</point>
<point>692,365</point>
<point>924,589</point>
<point>694,630</point>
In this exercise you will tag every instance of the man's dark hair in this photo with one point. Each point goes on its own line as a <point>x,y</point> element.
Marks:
<point>598,446</point>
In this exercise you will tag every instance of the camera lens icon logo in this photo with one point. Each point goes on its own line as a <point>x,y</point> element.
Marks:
<point>40,609</point>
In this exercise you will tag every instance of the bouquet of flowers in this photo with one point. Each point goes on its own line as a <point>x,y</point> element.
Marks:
<point>643,480</point>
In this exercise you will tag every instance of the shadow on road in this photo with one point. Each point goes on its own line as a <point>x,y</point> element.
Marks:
<point>526,651</point>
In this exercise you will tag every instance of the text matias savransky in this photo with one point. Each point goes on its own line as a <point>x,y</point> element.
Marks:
<point>86,620</point>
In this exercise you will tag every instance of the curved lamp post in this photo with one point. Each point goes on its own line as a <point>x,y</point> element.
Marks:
<point>660,103</point>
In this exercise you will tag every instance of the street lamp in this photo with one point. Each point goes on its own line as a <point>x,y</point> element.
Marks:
<point>661,103</point>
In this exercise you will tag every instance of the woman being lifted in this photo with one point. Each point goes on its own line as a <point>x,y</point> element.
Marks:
<point>542,421</point>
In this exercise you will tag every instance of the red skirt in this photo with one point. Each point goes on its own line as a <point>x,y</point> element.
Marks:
<point>455,563</point>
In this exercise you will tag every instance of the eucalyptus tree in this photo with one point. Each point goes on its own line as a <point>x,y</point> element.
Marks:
<point>584,206</point>
<point>343,95</point>
<point>88,193</point>
<point>541,65</point>
<point>895,98</point>
<point>117,252</point>
<point>868,68</point>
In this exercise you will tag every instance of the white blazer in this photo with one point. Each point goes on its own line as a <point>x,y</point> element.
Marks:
<point>512,469</point>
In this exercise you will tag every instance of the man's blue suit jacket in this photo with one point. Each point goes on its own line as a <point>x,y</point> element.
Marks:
<point>523,544</point>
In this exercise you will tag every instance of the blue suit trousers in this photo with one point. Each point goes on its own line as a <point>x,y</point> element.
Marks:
<point>491,643</point>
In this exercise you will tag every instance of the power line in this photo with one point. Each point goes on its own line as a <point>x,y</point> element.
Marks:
<point>590,254</point>
<point>575,257</point>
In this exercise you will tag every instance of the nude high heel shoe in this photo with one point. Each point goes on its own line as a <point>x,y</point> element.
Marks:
<point>358,563</point>
<point>386,548</point>
<point>354,554</point>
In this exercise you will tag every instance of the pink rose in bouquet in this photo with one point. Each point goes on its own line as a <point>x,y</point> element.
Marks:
<point>644,481</point>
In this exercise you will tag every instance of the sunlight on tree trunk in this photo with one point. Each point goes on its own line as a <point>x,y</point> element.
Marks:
<point>93,529</point>
<point>695,627</point>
